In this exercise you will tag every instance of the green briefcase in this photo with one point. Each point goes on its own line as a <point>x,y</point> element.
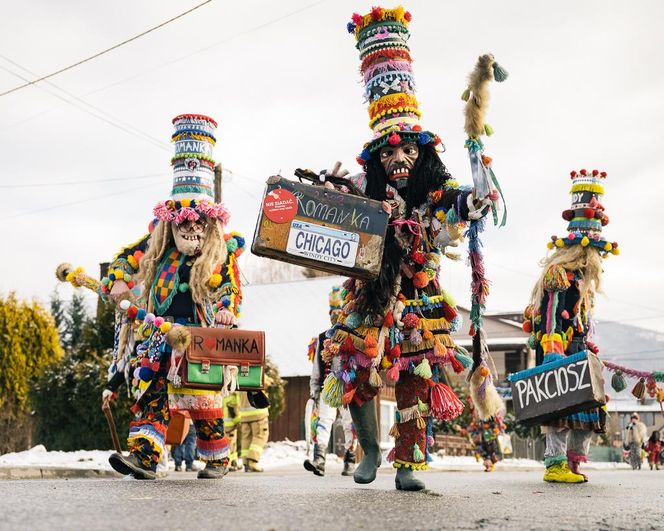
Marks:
<point>213,349</point>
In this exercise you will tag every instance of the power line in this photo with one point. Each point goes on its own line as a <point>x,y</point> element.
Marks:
<point>97,114</point>
<point>76,183</point>
<point>72,203</point>
<point>176,60</point>
<point>98,54</point>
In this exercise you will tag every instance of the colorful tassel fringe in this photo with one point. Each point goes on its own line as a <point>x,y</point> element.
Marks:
<point>445,405</point>
<point>423,370</point>
<point>333,391</point>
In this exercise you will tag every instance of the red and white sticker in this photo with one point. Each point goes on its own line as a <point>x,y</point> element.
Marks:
<point>280,206</point>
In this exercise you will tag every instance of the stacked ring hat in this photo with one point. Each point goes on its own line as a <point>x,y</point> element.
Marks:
<point>586,216</point>
<point>386,66</point>
<point>192,195</point>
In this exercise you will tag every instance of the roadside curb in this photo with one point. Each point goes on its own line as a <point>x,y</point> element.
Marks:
<point>26,472</point>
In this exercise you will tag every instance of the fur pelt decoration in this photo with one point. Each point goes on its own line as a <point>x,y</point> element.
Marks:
<point>484,394</point>
<point>179,338</point>
<point>477,95</point>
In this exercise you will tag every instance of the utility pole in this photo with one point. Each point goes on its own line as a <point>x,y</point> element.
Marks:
<point>217,183</point>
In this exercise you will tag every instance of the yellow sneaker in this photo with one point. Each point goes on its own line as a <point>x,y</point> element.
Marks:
<point>562,474</point>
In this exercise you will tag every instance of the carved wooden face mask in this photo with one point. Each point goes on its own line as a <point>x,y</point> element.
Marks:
<point>398,161</point>
<point>190,236</point>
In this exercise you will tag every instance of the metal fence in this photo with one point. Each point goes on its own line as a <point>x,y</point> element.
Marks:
<point>527,448</point>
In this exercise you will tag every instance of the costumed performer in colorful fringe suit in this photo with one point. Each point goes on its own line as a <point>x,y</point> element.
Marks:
<point>560,317</point>
<point>326,415</point>
<point>402,321</point>
<point>186,273</point>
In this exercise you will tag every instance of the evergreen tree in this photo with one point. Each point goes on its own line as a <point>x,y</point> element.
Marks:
<point>29,342</point>
<point>58,312</point>
<point>76,320</point>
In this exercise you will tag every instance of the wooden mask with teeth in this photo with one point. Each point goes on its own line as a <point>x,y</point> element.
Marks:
<point>398,161</point>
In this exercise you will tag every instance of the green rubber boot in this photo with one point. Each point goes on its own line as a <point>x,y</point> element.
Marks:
<point>364,420</point>
<point>405,480</point>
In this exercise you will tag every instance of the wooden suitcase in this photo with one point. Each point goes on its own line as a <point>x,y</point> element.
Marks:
<point>312,226</point>
<point>557,389</point>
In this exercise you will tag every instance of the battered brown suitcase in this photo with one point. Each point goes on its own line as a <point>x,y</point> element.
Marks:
<point>312,226</point>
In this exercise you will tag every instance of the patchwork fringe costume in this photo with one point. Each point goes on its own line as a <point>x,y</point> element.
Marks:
<point>560,317</point>
<point>150,338</point>
<point>407,332</point>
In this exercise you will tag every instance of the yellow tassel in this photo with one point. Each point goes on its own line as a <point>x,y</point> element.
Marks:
<point>394,431</point>
<point>420,423</point>
<point>374,378</point>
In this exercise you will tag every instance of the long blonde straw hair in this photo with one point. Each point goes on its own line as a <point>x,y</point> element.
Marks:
<point>586,260</point>
<point>214,252</point>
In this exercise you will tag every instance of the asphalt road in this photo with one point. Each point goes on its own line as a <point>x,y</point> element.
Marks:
<point>297,500</point>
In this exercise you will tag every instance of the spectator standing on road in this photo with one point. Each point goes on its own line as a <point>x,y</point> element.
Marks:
<point>327,414</point>
<point>636,435</point>
<point>186,451</point>
<point>654,447</point>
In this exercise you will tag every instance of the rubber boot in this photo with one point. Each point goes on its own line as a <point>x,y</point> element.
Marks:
<point>212,470</point>
<point>349,463</point>
<point>405,480</point>
<point>560,473</point>
<point>317,464</point>
<point>130,465</point>
<point>251,465</point>
<point>364,420</point>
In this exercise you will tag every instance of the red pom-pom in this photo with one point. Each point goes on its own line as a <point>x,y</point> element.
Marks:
<point>527,326</point>
<point>602,174</point>
<point>145,362</point>
<point>132,311</point>
<point>411,320</point>
<point>360,161</point>
<point>396,351</point>
<point>420,279</point>
<point>584,172</point>
<point>130,284</point>
<point>154,366</point>
<point>417,128</point>
<point>570,236</point>
<point>138,255</point>
<point>388,321</point>
<point>394,139</point>
<point>614,244</point>
<point>357,18</point>
<point>376,13</point>
<point>589,212</point>
<point>572,174</point>
<point>567,216</point>
<point>564,314</point>
<point>419,257</point>
<point>407,16</point>
<point>595,173</point>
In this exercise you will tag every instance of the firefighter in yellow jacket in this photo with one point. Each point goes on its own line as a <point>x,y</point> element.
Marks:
<point>231,421</point>
<point>253,433</point>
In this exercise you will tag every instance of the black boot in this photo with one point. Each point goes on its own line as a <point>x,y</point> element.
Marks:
<point>130,465</point>
<point>349,463</point>
<point>364,420</point>
<point>212,470</point>
<point>405,480</point>
<point>317,464</point>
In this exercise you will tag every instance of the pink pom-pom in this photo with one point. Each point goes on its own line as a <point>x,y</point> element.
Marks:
<point>158,321</point>
<point>494,195</point>
<point>186,214</point>
<point>162,212</point>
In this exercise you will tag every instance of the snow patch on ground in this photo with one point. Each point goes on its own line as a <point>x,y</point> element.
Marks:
<point>276,455</point>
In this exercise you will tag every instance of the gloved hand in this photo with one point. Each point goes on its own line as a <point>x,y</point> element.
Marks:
<point>478,208</point>
<point>225,318</point>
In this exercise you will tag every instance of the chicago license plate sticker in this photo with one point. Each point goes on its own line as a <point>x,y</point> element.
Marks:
<point>324,244</point>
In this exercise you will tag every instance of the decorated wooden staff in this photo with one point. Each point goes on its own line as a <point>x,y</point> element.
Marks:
<point>483,391</point>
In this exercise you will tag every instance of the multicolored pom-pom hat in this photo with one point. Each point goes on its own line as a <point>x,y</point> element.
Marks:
<point>386,66</point>
<point>192,195</point>
<point>586,216</point>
